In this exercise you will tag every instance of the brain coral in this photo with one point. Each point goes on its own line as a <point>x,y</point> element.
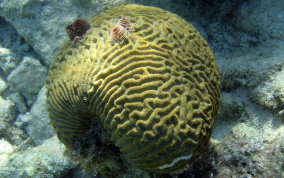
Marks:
<point>155,95</point>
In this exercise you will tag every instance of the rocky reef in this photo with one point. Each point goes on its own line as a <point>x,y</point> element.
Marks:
<point>246,38</point>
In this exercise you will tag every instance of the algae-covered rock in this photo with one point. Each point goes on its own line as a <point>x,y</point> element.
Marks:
<point>271,92</point>
<point>8,60</point>
<point>46,160</point>
<point>6,113</point>
<point>28,78</point>
<point>262,17</point>
<point>6,149</point>
<point>231,109</point>
<point>3,86</point>
<point>20,102</point>
<point>249,69</point>
<point>36,122</point>
<point>250,151</point>
<point>252,148</point>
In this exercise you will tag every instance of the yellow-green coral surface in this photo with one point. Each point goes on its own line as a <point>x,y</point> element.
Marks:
<point>156,94</point>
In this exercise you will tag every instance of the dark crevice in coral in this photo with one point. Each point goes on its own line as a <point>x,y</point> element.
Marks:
<point>95,151</point>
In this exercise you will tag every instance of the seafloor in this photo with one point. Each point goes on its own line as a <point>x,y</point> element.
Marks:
<point>247,37</point>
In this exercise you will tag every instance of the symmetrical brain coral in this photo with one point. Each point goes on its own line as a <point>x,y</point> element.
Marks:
<point>155,95</point>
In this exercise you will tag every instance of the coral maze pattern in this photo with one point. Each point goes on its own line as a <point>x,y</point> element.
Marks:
<point>156,95</point>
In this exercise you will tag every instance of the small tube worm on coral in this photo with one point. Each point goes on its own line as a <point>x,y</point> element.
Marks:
<point>121,31</point>
<point>77,30</point>
<point>118,34</point>
<point>126,24</point>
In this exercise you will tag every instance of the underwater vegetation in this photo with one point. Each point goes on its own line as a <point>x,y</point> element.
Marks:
<point>149,102</point>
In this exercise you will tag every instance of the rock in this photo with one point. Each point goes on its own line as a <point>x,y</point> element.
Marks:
<point>28,78</point>
<point>271,93</point>
<point>8,60</point>
<point>243,69</point>
<point>249,150</point>
<point>231,109</point>
<point>46,160</point>
<point>5,150</point>
<point>42,23</point>
<point>262,17</point>
<point>7,118</point>
<point>10,39</point>
<point>3,86</point>
<point>36,122</point>
<point>15,135</point>
<point>6,115</point>
<point>19,101</point>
